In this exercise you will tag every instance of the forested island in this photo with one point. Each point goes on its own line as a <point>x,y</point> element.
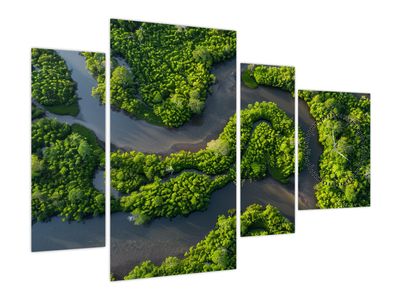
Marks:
<point>64,160</point>
<point>52,85</point>
<point>168,75</point>
<point>343,123</point>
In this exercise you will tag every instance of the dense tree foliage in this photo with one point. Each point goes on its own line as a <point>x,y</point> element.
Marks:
<point>170,67</point>
<point>132,169</point>
<point>275,76</point>
<point>267,142</point>
<point>217,251</point>
<point>96,64</point>
<point>175,184</point>
<point>36,112</point>
<point>64,161</point>
<point>123,94</point>
<point>52,84</point>
<point>257,220</point>
<point>343,122</point>
<point>179,195</point>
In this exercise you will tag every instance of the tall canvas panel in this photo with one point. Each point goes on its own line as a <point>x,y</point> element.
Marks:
<point>67,152</point>
<point>335,141</point>
<point>267,150</point>
<point>173,149</point>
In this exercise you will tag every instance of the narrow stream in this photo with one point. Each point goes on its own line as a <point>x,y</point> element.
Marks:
<point>309,175</point>
<point>91,111</point>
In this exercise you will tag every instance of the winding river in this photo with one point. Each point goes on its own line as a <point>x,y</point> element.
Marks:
<point>269,190</point>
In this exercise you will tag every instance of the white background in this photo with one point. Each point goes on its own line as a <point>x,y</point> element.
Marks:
<point>335,254</point>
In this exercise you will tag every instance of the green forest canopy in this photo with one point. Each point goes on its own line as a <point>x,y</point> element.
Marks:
<point>52,85</point>
<point>275,76</point>
<point>343,122</point>
<point>169,73</point>
<point>267,142</point>
<point>64,160</point>
<point>259,220</point>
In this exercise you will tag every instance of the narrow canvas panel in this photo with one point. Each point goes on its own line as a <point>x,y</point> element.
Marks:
<point>335,140</point>
<point>68,138</point>
<point>173,136</point>
<point>267,150</point>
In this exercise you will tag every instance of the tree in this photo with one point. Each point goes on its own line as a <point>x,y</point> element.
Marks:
<point>220,146</point>
<point>84,149</point>
<point>196,105</point>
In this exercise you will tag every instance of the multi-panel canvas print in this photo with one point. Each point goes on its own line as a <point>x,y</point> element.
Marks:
<point>267,150</point>
<point>335,147</point>
<point>67,155</point>
<point>173,149</point>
